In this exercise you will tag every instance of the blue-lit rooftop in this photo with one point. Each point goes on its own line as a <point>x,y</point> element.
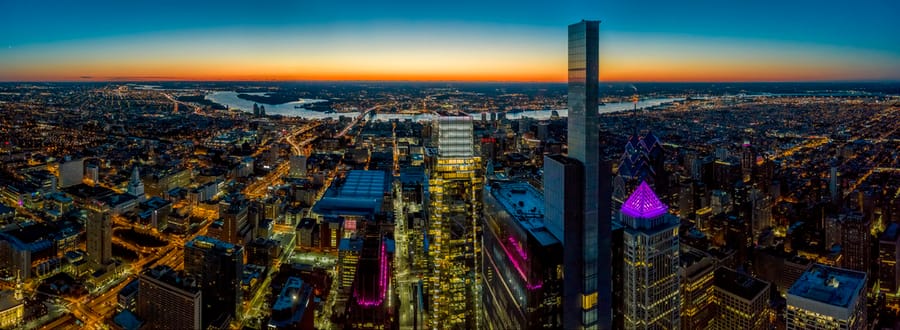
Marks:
<point>291,304</point>
<point>360,193</point>
<point>829,285</point>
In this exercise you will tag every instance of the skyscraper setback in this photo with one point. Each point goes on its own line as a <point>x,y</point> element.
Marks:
<point>586,226</point>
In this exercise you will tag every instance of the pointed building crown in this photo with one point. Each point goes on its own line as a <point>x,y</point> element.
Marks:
<point>135,176</point>
<point>643,203</point>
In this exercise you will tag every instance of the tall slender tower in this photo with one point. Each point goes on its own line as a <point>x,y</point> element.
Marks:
<point>585,227</point>
<point>99,237</point>
<point>455,185</point>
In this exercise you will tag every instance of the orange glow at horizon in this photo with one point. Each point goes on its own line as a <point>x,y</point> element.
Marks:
<point>419,57</point>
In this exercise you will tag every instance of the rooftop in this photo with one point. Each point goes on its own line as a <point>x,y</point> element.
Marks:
<point>291,303</point>
<point>172,277</point>
<point>742,285</point>
<point>643,204</point>
<point>829,285</point>
<point>8,300</point>
<point>127,320</point>
<point>206,242</point>
<point>525,204</point>
<point>360,193</point>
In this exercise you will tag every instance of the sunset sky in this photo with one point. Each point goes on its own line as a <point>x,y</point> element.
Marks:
<point>700,40</point>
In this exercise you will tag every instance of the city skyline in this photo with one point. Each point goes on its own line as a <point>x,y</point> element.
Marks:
<point>462,41</point>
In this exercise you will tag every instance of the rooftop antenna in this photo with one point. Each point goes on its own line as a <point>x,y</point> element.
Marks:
<point>634,100</point>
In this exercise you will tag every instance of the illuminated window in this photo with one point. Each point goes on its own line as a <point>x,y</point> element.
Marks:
<point>588,301</point>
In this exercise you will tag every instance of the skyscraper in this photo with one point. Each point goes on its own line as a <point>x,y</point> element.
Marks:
<point>218,266</point>
<point>742,300</point>
<point>888,267</point>
<point>455,186</point>
<point>587,301</point>
<point>855,242</point>
<point>298,167</point>
<point>168,300</point>
<point>99,238</point>
<point>521,282</point>
<point>651,280</point>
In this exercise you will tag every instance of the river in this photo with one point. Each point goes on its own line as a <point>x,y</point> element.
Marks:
<point>230,99</point>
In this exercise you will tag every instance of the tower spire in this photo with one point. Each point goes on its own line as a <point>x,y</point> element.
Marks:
<point>135,176</point>
<point>19,295</point>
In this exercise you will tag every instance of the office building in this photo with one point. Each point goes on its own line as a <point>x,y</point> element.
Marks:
<point>71,172</point>
<point>291,309</point>
<point>99,238</point>
<point>91,174</point>
<point>127,298</point>
<point>697,294</point>
<point>136,186</point>
<point>349,250</point>
<point>521,284</point>
<point>298,167</point>
<point>587,296</point>
<point>742,302</point>
<point>855,242</point>
<point>168,300</point>
<point>217,266</point>
<point>370,306</point>
<point>651,262</point>
<point>236,227</point>
<point>827,298</point>
<point>888,267</point>
<point>455,186</point>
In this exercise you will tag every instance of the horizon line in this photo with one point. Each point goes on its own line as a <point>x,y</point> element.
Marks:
<point>126,81</point>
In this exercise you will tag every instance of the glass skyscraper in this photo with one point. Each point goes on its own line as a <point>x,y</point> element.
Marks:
<point>585,225</point>
<point>454,196</point>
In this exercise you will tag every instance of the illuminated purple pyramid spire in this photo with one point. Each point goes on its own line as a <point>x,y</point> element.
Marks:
<point>643,203</point>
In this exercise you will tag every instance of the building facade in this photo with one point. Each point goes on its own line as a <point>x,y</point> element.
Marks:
<point>651,262</point>
<point>742,302</point>
<point>455,185</point>
<point>827,298</point>
<point>99,238</point>
<point>522,286</point>
<point>587,301</point>
<point>168,300</point>
<point>218,266</point>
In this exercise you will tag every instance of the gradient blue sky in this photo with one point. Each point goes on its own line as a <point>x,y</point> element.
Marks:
<point>694,40</point>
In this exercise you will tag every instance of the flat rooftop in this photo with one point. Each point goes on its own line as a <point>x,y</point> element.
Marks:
<point>360,193</point>
<point>526,205</point>
<point>206,242</point>
<point>8,300</point>
<point>829,285</point>
<point>741,285</point>
<point>172,277</point>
